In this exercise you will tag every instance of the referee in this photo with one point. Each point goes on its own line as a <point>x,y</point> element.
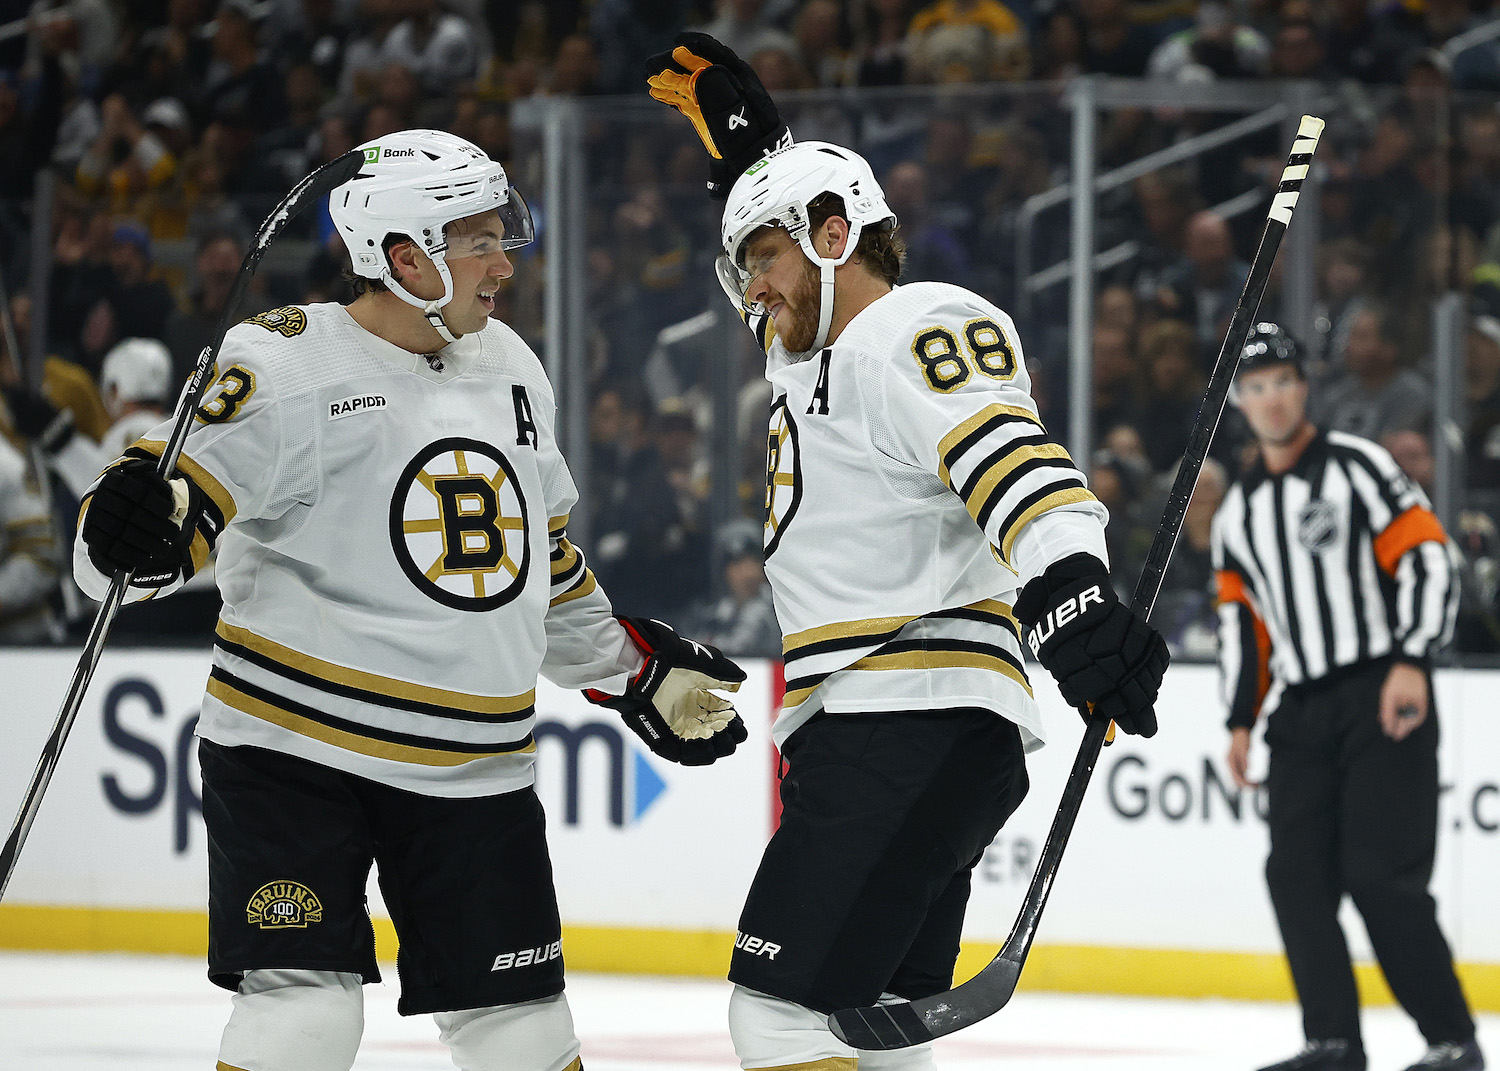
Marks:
<point>1336,586</point>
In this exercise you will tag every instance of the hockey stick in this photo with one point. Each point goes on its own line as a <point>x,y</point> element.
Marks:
<point>898,1025</point>
<point>320,182</point>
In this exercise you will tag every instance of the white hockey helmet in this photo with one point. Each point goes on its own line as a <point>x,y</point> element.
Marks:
<point>137,370</point>
<point>413,183</point>
<point>776,191</point>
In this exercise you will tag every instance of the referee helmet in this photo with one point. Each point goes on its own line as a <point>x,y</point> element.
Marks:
<point>1269,346</point>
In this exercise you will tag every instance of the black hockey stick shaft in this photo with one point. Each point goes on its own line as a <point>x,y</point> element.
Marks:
<point>894,1026</point>
<point>319,183</point>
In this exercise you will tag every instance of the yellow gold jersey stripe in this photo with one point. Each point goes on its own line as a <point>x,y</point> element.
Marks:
<point>942,660</point>
<point>199,475</point>
<point>986,487</point>
<point>585,586</point>
<point>841,630</point>
<point>556,525</point>
<point>1066,496</point>
<point>568,559</point>
<point>371,682</point>
<point>960,431</point>
<point>363,745</point>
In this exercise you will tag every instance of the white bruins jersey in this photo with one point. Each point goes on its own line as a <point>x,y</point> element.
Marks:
<point>910,491</point>
<point>392,553</point>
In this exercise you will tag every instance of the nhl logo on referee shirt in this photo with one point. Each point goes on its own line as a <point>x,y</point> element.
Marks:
<point>1317,525</point>
<point>283,905</point>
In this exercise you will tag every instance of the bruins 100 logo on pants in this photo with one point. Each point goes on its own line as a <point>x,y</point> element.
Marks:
<point>459,525</point>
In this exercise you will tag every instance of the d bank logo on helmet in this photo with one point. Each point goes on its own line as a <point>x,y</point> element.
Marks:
<point>374,154</point>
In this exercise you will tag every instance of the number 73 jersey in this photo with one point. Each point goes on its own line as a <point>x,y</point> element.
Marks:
<point>910,491</point>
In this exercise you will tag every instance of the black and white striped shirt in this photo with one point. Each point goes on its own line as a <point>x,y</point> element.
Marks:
<point>1334,563</point>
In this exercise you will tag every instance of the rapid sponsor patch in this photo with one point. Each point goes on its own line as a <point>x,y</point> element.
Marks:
<point>354,405</point>
<point>283,905</point>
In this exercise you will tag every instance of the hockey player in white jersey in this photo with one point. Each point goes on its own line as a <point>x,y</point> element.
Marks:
<point>918,516</point>
<point>384,486</point>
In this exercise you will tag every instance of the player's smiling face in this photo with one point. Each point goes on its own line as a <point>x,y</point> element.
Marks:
<point>785,283</point>
<point>1274,401</point>
<point>478,265</point>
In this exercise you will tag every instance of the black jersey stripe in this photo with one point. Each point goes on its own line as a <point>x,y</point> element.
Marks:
<point>352,736</point>
<point>1005,487</point>
<point>998,456</point>
<point>1061,493</point>
<point>980,426</point>
<point>363,695</point>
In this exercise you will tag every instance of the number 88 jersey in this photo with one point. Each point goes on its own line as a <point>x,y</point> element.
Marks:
<point>910,491</point>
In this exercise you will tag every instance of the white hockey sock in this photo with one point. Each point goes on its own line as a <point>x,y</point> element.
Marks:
<point>294,1021</point>
<point>771,1034</point>
<point>535,1036</point>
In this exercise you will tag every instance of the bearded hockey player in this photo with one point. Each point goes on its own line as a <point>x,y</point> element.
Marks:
<point>911,494</point>
<point>384,486</point>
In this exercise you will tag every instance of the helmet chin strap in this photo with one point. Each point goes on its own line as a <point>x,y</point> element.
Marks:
<point>432,310</point>
<point>826,266</point>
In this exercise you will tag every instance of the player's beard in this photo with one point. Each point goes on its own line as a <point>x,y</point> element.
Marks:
<point>802,302</point>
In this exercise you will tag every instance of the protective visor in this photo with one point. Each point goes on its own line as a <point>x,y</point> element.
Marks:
<point>736,278</point>
<point>511,229</point>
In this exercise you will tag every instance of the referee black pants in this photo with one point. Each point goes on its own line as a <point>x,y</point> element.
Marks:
<point>1352,811</point>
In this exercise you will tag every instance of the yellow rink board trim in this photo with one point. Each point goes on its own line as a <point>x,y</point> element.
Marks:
<point>1058,968</point>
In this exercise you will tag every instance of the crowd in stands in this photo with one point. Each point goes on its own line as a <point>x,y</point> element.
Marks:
<point>169,127</point>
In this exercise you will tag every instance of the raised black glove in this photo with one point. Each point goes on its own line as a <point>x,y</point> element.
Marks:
<point>136,520</point>
<point>38,419</point>
<point>669,705</point>
<point>1099,651</point>
<point>723,97</point>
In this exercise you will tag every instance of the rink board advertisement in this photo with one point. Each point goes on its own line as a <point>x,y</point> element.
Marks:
<point>1163,873</point>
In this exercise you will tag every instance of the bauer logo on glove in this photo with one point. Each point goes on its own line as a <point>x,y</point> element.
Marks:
<point>671,704</point>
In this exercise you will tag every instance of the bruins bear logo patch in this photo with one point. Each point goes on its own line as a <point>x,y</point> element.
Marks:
<point>288,320</point>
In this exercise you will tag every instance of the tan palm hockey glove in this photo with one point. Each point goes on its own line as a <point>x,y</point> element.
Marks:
<point>671,704</point>
<point>723,98</point>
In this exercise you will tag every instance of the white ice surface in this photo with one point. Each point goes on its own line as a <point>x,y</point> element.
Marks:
<point>63,1012</point>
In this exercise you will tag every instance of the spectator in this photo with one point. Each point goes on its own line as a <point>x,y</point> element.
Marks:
<point>967,41</point>
<point>1115,378</point>
<point>1059,51</point>
<point>1297,51</point>
<point>29,556</point>
<point>1216,46</point>
<point>141,302</point>
<point>28,133</point>
<point>1413,452</point>
<point>242,92</point>
<point>1173,392</point>
<point>1203,287</point>
<point>1185,610</point>
<point>214,268</point>
<point>126,161</point>
<point>575,71</point>
<point>742,623</point>
<point>816,31</point>
<point>626,30</point>
<point>1343,277</point>
<point>933,251</point>
<point>318,40</point>
<point>441,48</point>
<point>1164,202</point>
<point>1482,393</point>
<point>1363,43</point>
<point>1112,44</point>
<point>1374,395</point>
<point>880,42</point>
<point>745,26</point>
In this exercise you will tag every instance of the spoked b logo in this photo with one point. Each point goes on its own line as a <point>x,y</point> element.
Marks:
<point>459,525</point>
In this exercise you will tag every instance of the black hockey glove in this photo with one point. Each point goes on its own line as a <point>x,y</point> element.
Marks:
<point>136,520</point>
<point>723,97</point>
<point>1099,651</point>
<point>669,705</point>
<point>38,420</point>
